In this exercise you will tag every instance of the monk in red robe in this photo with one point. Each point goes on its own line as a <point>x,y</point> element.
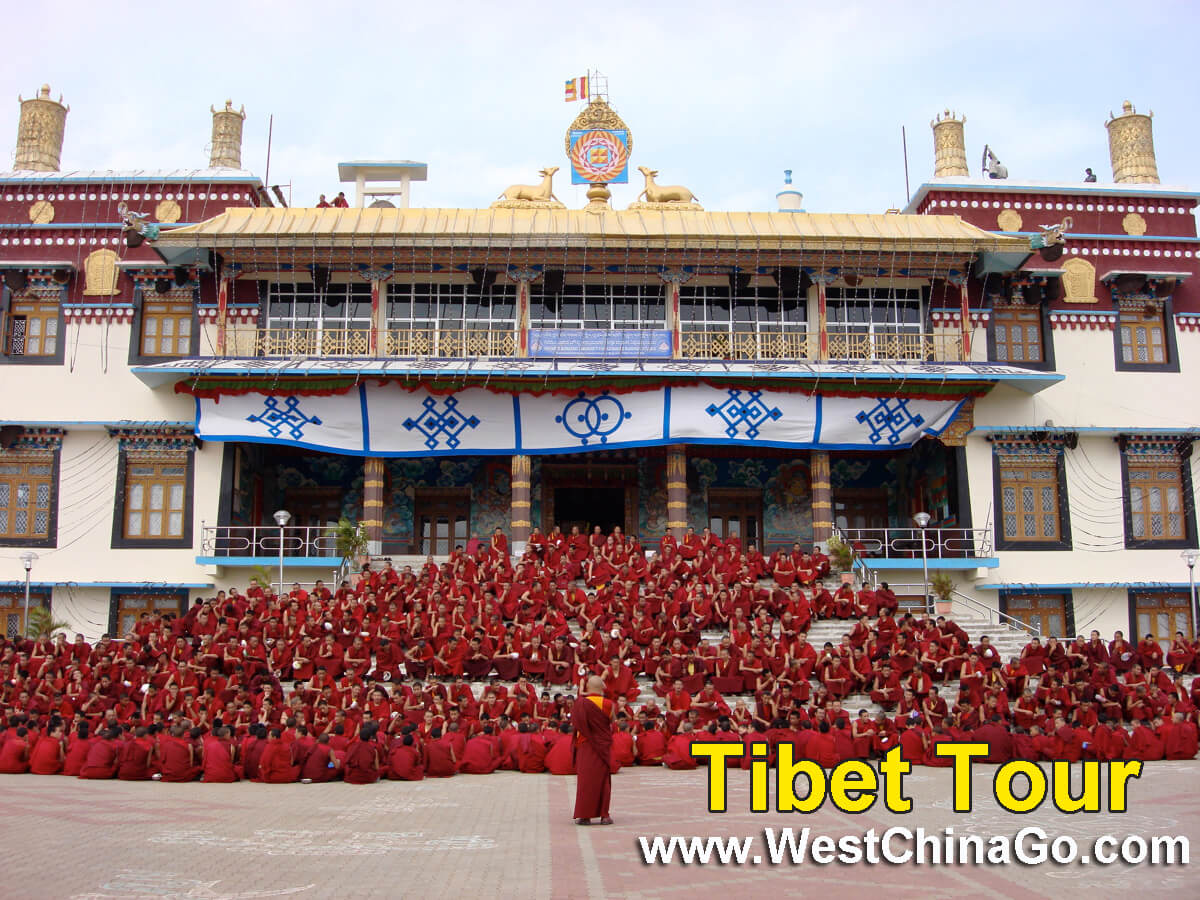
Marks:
<point>277,765</point>
<point>49,752</point>
<point>103,756</point>
<point>137,756</point>
<point>591,719</point>
<point>559,756</point>
<point>178,756</point>
<point>14,752</point>
<point>218,758</point>
<point>362,762</point>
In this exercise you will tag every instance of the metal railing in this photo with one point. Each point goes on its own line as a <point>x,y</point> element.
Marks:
<point>264,540</point>
<point>905,543</point>
<point>997,617</point>
<point>893,344</point>
<point>747,345</point>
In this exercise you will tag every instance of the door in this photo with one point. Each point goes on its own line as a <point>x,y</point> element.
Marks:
<point>1045,612</point>
<point>1161,614</point>
<point>317,506</point>
<point>441,520</point>
<point>734,512</point>
<point>861,508</point>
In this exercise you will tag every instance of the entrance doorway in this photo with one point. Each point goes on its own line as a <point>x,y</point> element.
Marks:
<point>588,507</point>
<point>733,512</point>
<point>441,517</point>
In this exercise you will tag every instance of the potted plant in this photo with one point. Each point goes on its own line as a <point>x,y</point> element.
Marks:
<point>263,577</point>
<point>942,586</point>
<point>350,541</point>
<point>841,558</point>
<point>42,623</point>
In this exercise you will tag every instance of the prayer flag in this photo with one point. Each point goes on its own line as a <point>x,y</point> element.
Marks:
<point>576,89</point>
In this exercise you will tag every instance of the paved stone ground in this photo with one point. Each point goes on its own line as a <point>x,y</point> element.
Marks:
<point>510,835</point>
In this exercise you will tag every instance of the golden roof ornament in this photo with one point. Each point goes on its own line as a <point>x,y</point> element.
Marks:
<point>664,196</point>
<point>597,114</point>
<point>531,196</point>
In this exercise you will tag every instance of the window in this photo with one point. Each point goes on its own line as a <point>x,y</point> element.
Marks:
<point>757,323</point>
<point>1031,496</point>
<point>874,323</point>
<point>1018,334</point>
<point>451,319</point>
<point>1155,501</point>
<point>302,321</point>
<point>126,609</point>
<point>601,306</point>
<point>32,328</point>
<point>1142,334</point>
<point>1050,614</point>
<point>154,499</point>
<point>166,328</point>
<point>12,611</point>
<point>1161,614</point>
<point>1145,335</point>
<point>27,496</point>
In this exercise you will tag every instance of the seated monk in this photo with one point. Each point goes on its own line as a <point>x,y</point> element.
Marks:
<point>362,760</point>
<point>217,751</point>
<point>405,762</point>
<point>103,756</point>
<point>440,759</point>
<point>481,756</point>
<point>560,758</point>
<point>321,764</point>
<point>278,765</point>
<point>177,756</point>
<point>137,756</point>
<point>49,752</point>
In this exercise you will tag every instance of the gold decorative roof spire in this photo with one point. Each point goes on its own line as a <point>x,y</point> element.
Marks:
<point>40,133</point>
<point>949,146</point>
<point>1131,146</point>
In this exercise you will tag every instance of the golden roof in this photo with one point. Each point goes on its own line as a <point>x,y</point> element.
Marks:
<point>539,227</point>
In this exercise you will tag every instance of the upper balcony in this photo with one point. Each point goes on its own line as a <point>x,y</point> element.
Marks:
<point>881,344</point>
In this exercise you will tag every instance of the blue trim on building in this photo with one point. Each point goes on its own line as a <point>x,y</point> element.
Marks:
<point>148,586</point>
<point>316,562</point>
<point>516,400</point>
<point>366,419</point>
<point>983,562</point>
<point>1083,585</point>
<point>817,423</point>
<point>666,412</point>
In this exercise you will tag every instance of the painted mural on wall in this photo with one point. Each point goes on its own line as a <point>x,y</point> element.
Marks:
<point>918,479</point>
<point>786,487</point>
<point>489,478</point>
<point>652,498</point>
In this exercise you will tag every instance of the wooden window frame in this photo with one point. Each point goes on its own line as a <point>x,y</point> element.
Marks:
<point>38,597</point>
<point>426,496</point>
<point>1006,606</point>
<point>1164,640</point>
<point>137,327</point>
<point>1046,364</point>
<point>116,607</point>
<point>1170,361</point>
<point>1064,540</point>
<point>126,459</point>
<point>1131,462</point>
<point>7,302</point>
<point>26,457</point>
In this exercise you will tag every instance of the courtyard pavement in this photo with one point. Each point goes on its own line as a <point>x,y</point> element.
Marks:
<point>510,835</point>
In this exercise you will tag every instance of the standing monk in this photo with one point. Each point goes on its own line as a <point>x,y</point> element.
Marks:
<point>592,720</point>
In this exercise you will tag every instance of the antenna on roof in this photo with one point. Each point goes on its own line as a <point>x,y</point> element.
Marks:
<point>904,144</point>
<point>270,134</point>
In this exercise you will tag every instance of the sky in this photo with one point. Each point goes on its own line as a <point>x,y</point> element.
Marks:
<point>720,97</point>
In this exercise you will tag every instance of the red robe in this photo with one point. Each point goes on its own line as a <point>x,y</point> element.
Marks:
<point>362,762</point>
<point>103,757</point>
<point>481,756</point>
<point>591,717</point>
<point>276,766</point>
<point>218,761</point>
<point>559,757</point>
<point>46,757</point>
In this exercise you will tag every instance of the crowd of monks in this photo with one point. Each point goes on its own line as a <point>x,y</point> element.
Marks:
<point>374,678</point>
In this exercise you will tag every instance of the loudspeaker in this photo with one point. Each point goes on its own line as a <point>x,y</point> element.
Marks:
<point>9,435</point>
<point>162,285</point>
<point>133,238</point>
<point>180,276</point>
<point>1052,254</point>
<point>1051,290</point>
<point>15,279</point>
<point>1034,294</point>
<point>484,278</point>
<point>1165,288</point>
<point>553,280</point>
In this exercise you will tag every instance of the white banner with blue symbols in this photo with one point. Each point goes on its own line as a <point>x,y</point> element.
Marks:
<point>386,420</point>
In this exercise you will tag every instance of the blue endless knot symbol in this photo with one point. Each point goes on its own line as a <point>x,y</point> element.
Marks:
<point>586,418</point>
<point>448,423</point>
<point>752,413</point>
<point>887,421</point>
<point>289,416</point>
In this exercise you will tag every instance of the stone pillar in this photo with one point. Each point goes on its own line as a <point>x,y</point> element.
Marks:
<point>521,503</point>
<point>677,493</point>
<point>372,518</point>
<point>674,279</point>
<point>822,496</point>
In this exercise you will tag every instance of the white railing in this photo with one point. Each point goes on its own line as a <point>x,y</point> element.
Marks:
<point>906,543</point>
<point>264,540</point>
